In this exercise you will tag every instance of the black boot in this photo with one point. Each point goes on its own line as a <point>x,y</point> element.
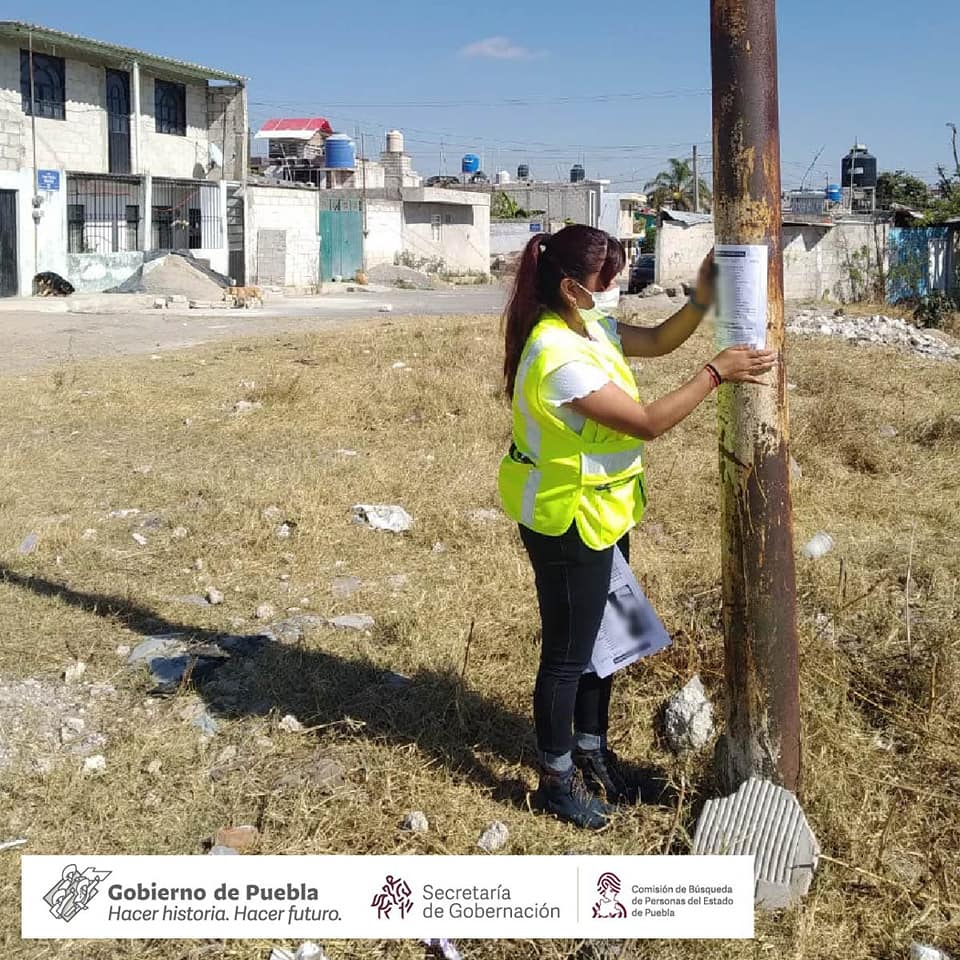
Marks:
<point>565,796</point>
<point>604,776</point>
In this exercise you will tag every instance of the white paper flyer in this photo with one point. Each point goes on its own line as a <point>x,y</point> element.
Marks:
<point>741,295</point>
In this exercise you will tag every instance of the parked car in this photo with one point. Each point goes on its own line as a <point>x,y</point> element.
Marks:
<point>641,272</point>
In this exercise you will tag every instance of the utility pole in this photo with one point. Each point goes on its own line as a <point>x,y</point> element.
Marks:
<point>696,181</point>
<point>762,735</point>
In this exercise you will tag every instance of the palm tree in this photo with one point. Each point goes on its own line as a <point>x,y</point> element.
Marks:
<point>674,187</point>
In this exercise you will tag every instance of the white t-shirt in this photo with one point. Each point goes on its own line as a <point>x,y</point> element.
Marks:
<point>577,379</point>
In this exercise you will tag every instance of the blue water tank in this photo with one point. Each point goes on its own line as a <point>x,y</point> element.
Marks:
<point>339,152</point>
<point>577,173</point>
<point>834,193</point>
<point>470,163</point>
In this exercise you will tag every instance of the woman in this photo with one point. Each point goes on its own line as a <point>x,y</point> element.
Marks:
<point>573,481</point>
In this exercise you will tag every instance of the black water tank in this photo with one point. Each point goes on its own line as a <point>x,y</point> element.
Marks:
<point>863,166</point>
<point>577,173</point>
<point>523,172</point>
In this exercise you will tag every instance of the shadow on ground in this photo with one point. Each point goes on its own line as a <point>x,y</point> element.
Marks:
<point>255,675</point>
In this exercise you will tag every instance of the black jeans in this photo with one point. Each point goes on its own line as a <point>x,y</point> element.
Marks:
<point>572,585</point>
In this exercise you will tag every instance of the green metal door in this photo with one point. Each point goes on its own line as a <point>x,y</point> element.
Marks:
<point>341,239</point>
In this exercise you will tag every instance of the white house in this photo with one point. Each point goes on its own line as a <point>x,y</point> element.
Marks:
<point>109,155</point>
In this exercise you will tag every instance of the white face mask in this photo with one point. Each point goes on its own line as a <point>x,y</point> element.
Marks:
<point>604,301</point>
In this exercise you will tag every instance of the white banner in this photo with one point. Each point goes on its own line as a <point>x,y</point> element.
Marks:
<point>388,897</point>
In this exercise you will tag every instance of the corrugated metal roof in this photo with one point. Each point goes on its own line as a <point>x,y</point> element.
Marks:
<point>686,217</point>
<point>20,31</point>
<point>293,128</point>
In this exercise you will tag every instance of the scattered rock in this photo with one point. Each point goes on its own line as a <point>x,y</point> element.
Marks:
<point>154,767</point>
<point>397,581</point>
<point>28,544</point>
<point>352,621</point>
<point>394,273</point>
<point>494,837</point>
<point>95,764</point>
<point>89,534</point>
<point>688,718</point>
<point>198,564</point>
<point>887,431</point>
<point>227,754</point>
<point>415,822</point>
<point>438,548</point>
<point>214,596</point>
<point>74,672</point>
<point>242,407</point>
<point>205,724</point>
<point>195,600</point>
<point>139,538</point>
<point>875,330</point>
<point>286,529</point>
<point>343,452</point>
<point>291,724</point>
<point>324,774</point>
<point>796,473</point>
<point>239,838</point>
<point>265,612</point>
<point>921,951</point>
<point>179,533</point>
<point>819,545</point>
<point>383,517</point>
<point>653,290</point>
<point>400,365</point>
<point>218,851</point>
<point>292,630</point>
<point>122,650</point>
<point>123,514</point>
<point>344,587</point>
<point>271,514</point>
<point>392,679</point>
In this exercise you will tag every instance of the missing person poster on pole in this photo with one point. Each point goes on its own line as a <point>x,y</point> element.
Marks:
<point>741,295</point>
<point>630,628</point>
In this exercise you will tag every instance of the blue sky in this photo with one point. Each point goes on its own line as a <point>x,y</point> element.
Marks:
<point>620,87</point>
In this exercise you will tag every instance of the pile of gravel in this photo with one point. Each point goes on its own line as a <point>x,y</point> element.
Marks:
<point>876,330</point>
<point>175,275</point>
<point>401,276</point>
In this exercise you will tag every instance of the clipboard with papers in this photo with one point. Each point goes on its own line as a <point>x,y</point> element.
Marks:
<point>630,628</point>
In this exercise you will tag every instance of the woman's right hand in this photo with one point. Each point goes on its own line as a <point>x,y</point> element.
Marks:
<point>744,364</point>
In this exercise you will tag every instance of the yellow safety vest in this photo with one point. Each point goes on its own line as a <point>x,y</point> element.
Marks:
<point>552,476</point>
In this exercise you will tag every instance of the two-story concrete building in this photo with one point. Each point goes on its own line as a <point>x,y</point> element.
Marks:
<point>110,155</point>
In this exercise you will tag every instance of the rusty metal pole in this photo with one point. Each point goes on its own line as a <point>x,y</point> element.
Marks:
<point>762,736</point>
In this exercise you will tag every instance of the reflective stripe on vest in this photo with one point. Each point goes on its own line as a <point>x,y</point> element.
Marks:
<point>553,477</point>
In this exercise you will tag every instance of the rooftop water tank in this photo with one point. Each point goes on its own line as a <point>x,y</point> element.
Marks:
<point>834,192</point>
<point>339,153</point>
<point>394,141</point>
<point>470,163</point>
<point>577,173</point>
<point>859,165</point>
<point>523,172</point>
<point>501,176</point>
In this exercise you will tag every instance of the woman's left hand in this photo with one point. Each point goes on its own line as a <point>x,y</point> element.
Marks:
<point>704,292</point>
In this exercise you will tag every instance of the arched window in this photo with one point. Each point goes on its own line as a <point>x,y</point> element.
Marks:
<point>48,85</point>
<point>170,107</point>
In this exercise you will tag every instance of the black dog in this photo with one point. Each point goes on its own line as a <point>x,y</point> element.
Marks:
<point>50,284</point>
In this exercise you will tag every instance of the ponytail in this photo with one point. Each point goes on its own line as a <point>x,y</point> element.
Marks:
<point>575,251</point>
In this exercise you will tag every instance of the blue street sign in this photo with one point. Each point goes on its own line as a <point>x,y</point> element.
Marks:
<point>536,227</point>
<point>48,179</point>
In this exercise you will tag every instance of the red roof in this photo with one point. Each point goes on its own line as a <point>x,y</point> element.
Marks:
<point>299,125</point>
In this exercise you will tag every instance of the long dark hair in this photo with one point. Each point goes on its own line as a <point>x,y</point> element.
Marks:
<point>576,252</point>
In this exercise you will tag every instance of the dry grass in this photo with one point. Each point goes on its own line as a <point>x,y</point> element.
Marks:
<point>880,701</point>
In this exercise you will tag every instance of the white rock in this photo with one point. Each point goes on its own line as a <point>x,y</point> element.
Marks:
<point>819,545</point>
<point>922,951</point>
<point>89,534</point>
<point>494,837</point>
<point>74,672</point>
<point>291,724</point>
<point>416,822</point>
<point>179,533</point>
<point>246,406</point>
<point>265,612</point>
<point>383,517</point>
<point>198,564</point>
<point>122,650</point>
<point>438,548</point>
<point>95,764</point>
<point>284,531</point>
<point>154,766</point>
<point>271,514</point>
<point>352,621</point>
<point>139,538</point>
<point>214,596</point>
<point>688,718</point>
<point>124,514</point>
<point>399,365</point>
<point>309,951</point>
<point>887,431</point>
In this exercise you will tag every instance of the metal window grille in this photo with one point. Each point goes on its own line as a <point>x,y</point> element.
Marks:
<point>435,228</point>
<point>103,214</point>
<point>186,215</point>
<point>170,107</point>
<point>48,85</point>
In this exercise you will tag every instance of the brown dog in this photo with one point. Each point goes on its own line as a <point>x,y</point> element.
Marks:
<point>244,296</point>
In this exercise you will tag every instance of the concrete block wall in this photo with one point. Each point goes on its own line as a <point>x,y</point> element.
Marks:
<point>167,154</point>
<point>296,212</point>
<point>464,241</point>
<point>227,128</point>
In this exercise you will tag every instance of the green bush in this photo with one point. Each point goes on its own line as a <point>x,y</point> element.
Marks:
<point>934,310</point>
